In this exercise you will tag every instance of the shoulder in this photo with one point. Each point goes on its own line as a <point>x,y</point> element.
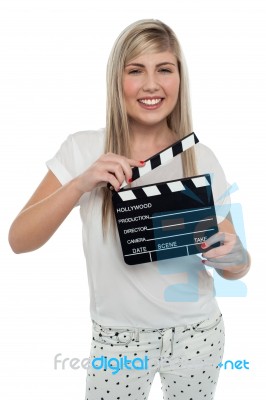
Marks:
<point>88,137</point>
<point>77,152</point>
<point>87,145</point>
<point>207,163</point>
<point>203,151</point>
<point>206,159</point>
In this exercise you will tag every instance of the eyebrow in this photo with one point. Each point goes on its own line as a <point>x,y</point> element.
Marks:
<point>157,65</point>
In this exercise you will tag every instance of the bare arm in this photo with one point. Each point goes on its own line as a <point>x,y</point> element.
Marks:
<point>51,202</point>
<point>43,214</point>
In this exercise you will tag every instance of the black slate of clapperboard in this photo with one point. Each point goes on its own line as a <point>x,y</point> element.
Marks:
<point>167,219</point>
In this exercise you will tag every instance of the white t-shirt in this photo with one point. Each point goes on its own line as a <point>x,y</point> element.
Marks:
<point>160,294</point>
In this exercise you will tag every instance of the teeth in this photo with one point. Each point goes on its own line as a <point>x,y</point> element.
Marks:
<point>150,102</point>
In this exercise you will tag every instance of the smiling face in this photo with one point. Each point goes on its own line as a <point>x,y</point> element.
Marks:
<point>150,86</point>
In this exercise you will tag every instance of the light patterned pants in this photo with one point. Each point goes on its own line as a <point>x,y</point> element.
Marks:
<point>127,359</point>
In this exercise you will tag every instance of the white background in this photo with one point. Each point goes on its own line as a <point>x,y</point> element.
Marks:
<point>52,79</point>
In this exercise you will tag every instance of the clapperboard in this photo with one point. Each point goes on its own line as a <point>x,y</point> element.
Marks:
<point>167,219</point>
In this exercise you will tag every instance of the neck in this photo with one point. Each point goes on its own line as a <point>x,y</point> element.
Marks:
<point>150,136</point>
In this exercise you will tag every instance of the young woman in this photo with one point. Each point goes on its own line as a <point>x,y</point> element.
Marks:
<point>165,311</point>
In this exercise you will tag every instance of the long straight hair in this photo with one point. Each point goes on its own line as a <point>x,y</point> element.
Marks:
<point>143,36</point>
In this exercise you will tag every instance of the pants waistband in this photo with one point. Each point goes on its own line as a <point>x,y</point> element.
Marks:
<point>174,329</point>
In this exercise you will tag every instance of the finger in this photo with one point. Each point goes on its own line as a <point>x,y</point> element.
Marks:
<point>216,252</point>
<point>224,266</point>
<point>217,237</point>
<point>114,168</point>
<point>136,163</point>
<point>237,258</point>
<point>126,169</point>
<point>224,248</point>
<point>132,162</point>
<point>128,164</point>
<point>217,265</point>
<point>223,237</point>
<point>223,259</point>
<point>113,181</point>
<point>104,176</point>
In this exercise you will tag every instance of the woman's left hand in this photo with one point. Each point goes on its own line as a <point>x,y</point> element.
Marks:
<point>230,255</point>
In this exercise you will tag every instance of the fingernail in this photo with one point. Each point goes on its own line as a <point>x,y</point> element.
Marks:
<point>203,245</point>
<point>130,180</point>
<point>142,162</point>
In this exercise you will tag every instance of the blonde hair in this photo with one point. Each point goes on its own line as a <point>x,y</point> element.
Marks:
<point>142,36</point>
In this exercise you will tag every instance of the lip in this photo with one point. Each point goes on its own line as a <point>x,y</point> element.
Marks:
<point>151,106</point>
<point>151,98</point>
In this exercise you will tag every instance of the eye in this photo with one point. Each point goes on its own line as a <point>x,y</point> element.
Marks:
<point>134,71</point>
<point>165,70</point>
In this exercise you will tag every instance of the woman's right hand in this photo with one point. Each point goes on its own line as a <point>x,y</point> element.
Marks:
<point>109,167</point>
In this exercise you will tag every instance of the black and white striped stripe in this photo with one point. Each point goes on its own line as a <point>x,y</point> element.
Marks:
<point>163,188</point>
<point>162,157</point>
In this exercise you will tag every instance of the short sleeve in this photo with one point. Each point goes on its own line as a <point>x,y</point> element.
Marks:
<point>208,164</point>
<point>63,162</point>
<point>76,154</point>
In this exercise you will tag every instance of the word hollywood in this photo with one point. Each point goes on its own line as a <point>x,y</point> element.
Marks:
<point>134,207</point>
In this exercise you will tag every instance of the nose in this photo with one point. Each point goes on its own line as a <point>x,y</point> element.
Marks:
<point>150,83</point>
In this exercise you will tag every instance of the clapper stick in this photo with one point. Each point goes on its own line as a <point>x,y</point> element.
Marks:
<point>162,157</point>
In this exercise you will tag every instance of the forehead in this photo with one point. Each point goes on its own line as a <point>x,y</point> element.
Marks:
<point>152,58</point>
